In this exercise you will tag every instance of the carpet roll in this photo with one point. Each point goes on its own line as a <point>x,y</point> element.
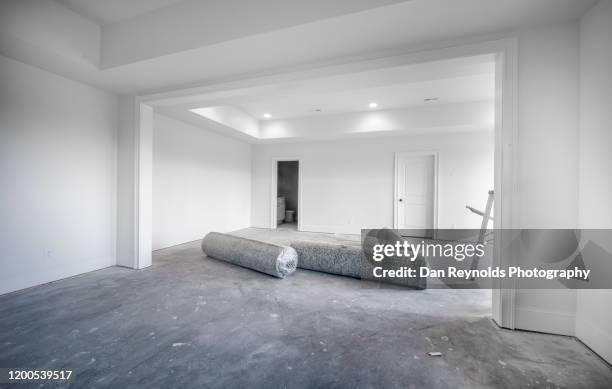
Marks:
<point>275,260</point>
<point>330,258</point>
<point>356,262</point>
<point>387,236</point>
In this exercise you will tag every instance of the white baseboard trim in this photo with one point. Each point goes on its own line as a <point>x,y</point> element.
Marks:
<point>540,320</point>
<point>266,226</point>
<point>46,276</point>
<point>595,337</point>
<point>331,229</point>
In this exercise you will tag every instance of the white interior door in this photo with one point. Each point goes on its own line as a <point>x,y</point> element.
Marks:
<point>415,193</point>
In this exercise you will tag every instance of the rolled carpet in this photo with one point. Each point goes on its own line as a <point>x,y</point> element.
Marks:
<point>330,258</point>
<point>386,236</point>
<point>275,260</point>
<point>355,261</point>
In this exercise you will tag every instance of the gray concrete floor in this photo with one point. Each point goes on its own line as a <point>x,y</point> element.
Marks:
<point>288,226</point>
<point>190,321</point>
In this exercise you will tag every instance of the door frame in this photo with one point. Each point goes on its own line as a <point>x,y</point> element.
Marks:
<point>274,190</point>
<point>434,154</point>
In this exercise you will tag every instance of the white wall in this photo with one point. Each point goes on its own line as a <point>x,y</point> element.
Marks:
<point>231,117</point>
<point>57,173</point>
<point>547,158</point>
<point>548,127</point>
<point>348,184</point>
<point>48,26</point>
<point>50,36</point>
<point>201,182</point>
<point>594,307</point>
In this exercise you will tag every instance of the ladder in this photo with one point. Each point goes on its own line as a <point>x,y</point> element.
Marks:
<point>486,216</point>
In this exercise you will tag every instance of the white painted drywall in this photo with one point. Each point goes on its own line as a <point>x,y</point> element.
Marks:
<point>348,184</point>
<point>134,183</point>
<point>46,27</point>
<point>231,117</point>
<point>201,182</point>
<point>58,177</point>
<point>594,307</point>
<point>49,36</point>
<point>246,48</point>
<point>547,158</point>
<point>129,40</point>
<point>548,127</point>
<point>126,177</point>
<point>144,185</point>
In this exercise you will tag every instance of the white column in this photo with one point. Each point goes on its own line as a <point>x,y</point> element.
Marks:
<point>144,182</point>
<point>134,179</point>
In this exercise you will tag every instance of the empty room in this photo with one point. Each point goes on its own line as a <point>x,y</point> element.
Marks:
<point>306,194</point>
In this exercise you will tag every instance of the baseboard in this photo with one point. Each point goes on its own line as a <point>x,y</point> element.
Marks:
<point>328,229</point>
<point>156,245</point>
<point>44,277</point>
<point>331,229</point>
<point>265,226</point>
<point>540,320</point>
<point>595,338</point>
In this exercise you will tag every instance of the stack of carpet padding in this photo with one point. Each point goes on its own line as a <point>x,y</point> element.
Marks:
<point>280,261</point>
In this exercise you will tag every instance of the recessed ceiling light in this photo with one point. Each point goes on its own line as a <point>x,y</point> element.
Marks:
<point>373,104</point>
<point>430,99</point>
<point>267,115</point>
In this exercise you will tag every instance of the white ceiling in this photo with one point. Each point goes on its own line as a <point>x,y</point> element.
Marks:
<point>447,91</point>
<point>112,11</point>
<point>457,80</point>
<point>151,49</point>
<point>460,84</point>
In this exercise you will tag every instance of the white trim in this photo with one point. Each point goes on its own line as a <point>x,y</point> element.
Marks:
<point>274,190</point>
<point>327,229</point>
<point>433,153</point>
<point>541,320</point>
<point>506,139</point>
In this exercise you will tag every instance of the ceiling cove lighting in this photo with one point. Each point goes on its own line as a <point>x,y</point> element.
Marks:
<point>267,116</point>
<point>373,104</point>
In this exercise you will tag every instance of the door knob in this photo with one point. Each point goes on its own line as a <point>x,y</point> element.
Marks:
<point>400,200</point>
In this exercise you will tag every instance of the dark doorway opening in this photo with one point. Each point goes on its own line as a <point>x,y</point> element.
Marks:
<point>287,192</point>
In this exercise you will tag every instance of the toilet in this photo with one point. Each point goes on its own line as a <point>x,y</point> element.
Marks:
<point>289,216</point>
